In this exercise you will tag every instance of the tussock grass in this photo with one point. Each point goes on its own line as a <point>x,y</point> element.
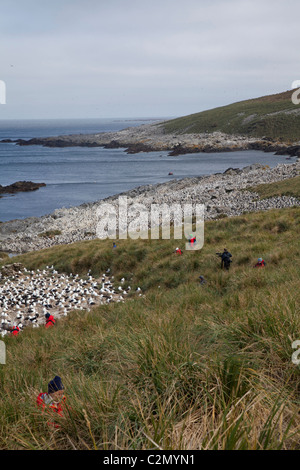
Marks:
<point>184,366</point>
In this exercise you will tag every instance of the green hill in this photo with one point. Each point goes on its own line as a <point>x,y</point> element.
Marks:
<point>185,366</point>
<point>273,116</point>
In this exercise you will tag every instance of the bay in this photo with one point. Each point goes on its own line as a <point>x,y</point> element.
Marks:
<point>77,175</point>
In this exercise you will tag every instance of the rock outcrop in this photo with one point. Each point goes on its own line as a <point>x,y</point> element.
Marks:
<point>20,186</point>
<point>153,137</point>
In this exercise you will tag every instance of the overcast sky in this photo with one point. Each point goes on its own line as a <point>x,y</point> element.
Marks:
<point>132,58</point>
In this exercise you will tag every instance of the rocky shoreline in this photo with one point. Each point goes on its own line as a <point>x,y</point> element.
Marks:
<point>152,137</point>
<point>224,194</point>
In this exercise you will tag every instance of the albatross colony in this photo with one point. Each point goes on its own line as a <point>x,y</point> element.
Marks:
<point>27,296</point>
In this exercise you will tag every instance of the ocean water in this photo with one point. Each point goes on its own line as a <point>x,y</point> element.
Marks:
<point>78,175</point>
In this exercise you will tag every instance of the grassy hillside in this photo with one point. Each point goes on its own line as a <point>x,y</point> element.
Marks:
<point>274,116</point>
<point>289,187</point>
<point>185,366</point>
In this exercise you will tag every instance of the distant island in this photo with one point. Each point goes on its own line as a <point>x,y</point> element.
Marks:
<point>269,123</point>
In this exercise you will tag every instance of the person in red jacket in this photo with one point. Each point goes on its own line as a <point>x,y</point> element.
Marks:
<point>192,239</point>
<point>178,251</point>
<point>53,401</point>
<point>14,330</point>
<point>49,320</point>
<point>260,263</point>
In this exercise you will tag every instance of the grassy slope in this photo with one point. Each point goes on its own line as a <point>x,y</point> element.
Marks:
<point>185,366</point>
<point>289,187</point>
<point>253,117</point>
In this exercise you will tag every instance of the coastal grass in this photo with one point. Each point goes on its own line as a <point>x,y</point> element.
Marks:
<point>289,187</point>
<point>183,366</point>
<point>273,116</point>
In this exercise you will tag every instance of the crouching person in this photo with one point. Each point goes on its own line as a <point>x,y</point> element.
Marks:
<point>54,400</point>
<point>260,263</point>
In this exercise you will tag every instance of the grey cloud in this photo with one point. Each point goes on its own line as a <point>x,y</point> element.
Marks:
<point>135,58</point>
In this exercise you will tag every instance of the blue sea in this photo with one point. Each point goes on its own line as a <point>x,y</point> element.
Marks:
<point>78,175</point>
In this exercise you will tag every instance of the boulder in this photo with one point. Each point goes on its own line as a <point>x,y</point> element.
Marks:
<point>232,171</point>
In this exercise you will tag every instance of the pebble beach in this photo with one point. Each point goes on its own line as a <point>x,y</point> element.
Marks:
<point>227,194</point>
